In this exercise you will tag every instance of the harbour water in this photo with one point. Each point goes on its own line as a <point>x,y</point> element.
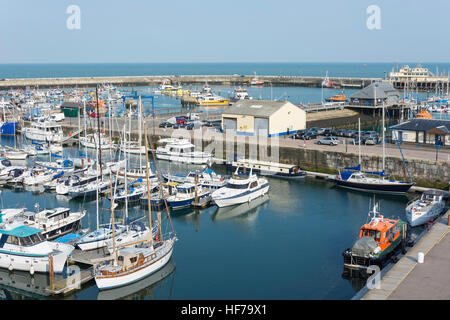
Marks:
<point>284,246</point>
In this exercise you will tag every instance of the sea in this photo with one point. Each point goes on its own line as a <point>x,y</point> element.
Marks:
<point>287,245</point>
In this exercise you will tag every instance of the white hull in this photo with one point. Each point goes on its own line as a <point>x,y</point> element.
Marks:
<point>182,159</point>
<point>42,136</point>
<point>417,218</point>
<point>241,199</point>
<point>127,278</point>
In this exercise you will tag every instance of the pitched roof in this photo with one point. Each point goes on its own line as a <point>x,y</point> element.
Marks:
<point>381,90</point>
<point>261,108</point>
<point>423,125</point>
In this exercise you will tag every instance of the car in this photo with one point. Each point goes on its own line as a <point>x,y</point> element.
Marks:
<point>175,126</point>
<point>299,134</point>
<point>94,115</point>
<point>165,124</point>
<point>351,133</point>
<point>371,141</point>
<point>341,132</point>
<point>332,141</point>
<point>357,138</point>
<point>329,132</point>
<point>181,120</point>
<point>318,130</point>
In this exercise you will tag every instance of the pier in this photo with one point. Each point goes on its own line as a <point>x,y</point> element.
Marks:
<point>409,280</point>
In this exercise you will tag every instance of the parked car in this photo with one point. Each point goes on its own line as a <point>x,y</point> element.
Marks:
<point>351,133</point>
<point>299,134</point>
<point>341,133</point>
<point>165,124</point>
<point>357,138</point>
<point>371,141</point>
<point>309,135</point>
<point>332,141</point>
<point>329,132</point>
<point>176,126</point>
<point>181,120</point>
<point>318,130</point>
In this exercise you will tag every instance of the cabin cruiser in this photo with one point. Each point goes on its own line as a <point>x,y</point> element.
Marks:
<point>14,154</point>
<point>73,181</point>
<point>134,173</point>
<point>182,150</point>
<point>65,165</point>
<point>242,187</point>
<point>24,248</point>
<point>131,193</point>
<point>188,194</point>
<point>207,178</point>
<point>89,189</point>
<point>38,176</point>
<point>13,175</point>
<point>52,222</point>
<point>428,207</point>
<point>240,94</point>
<point>44,130</point>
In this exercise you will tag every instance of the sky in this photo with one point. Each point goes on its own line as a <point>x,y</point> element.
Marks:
<point>223,31</point>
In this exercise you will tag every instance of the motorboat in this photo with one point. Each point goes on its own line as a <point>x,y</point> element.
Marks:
<point>207,179</point>
<point>240,94</point>
<point>39,176</point>
<point>44,130</point>
<point>188,194</point>
<point>242,187</point>
<point>377,241</point>
<point>54,222</point>
<point>430,205</point>
<point>182,150</point>
<point>74,181</point>
<point>91,141</point>
<point>25,248</point>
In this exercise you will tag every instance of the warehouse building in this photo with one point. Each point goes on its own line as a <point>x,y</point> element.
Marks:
<point>426,131</point>
<point>264,117</point>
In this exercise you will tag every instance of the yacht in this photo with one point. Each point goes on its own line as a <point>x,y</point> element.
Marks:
<point>240,94</point>
<point>38,176</point>
<point>242,187</point>
<point>207,178</point>
<point>24,248</point>
<point>182,150</point>
<point>91,141</point>
<point>269,168</point>
<point>54,222</point>
<point>44,130</point>
<point>74,181</point>
<point>428,207</point>
<point>188,194</point>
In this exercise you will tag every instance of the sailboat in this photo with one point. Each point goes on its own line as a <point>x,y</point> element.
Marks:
<point>354,178</point>
<point>131,264</point>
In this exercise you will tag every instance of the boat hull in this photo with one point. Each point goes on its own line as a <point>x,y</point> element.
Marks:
<point>8,128</point>
<point>246,196</point>
<point>391,188</point>
<point>415,219</point>
<point>104,283</point>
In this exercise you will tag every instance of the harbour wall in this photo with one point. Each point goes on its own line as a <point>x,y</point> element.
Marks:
<point>231,80</point>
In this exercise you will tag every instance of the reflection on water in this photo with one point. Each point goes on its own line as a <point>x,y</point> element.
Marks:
<point>245,213</point>
<point>144,288</point>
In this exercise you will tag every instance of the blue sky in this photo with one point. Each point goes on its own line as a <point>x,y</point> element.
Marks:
<point>223,31</point>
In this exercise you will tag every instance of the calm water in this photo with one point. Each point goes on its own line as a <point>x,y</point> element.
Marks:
<point>139,69</point>
<point>284,246</point>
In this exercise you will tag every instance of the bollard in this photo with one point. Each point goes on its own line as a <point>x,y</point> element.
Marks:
<point>448,220</point>
<point>420,257</point>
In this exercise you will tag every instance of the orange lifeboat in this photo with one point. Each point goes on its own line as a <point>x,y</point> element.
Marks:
<point>337,98</point>
<point>424,114</point>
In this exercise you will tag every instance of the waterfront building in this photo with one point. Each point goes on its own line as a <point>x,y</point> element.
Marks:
<point>375,94</point>
<point>426,131</point>
<point>274,118</point>
<point>418,77</point>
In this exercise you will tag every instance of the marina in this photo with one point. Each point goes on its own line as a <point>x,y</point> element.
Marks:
<point>132,184</point>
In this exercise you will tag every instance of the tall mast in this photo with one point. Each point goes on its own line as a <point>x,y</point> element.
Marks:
<point>112,220</point>
<point>126,162</point>
<point>384,149</point>
<point>99,139</point>
<point>148,192</point>
<point>359,140</point>
<point>140,132</point>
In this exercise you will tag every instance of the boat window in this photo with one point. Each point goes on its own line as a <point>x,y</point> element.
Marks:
<point>12,240</point>
<point>237,186</point>
<point>254,184</point>
<point>378,236</point>
<point>35,238</point>
<point>25,241</point>
<point>133,259</point>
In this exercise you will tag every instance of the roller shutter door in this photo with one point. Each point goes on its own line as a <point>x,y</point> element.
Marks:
<point>261,126</point>
<point>229,124</point>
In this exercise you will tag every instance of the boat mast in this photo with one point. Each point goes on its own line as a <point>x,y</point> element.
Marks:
<point>359,140</point>
<point>149,195</point>
<point>99,137</point>
<point>112,220</point>
<point>126,162</point>
<point>384,149</point>
<point>140,133</point>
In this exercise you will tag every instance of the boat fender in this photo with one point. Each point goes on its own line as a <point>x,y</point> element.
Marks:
<point>10,268</point>
<point>31,270</point>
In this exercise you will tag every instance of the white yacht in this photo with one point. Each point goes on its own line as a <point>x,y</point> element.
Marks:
<point>44,130</point>
<point>429,206</point>
<point>186,195</point>
<point>24,248</point>
<point>242,187</point>
<point>182,150</point>
<point>207,178</point>
<point>91,141</point>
